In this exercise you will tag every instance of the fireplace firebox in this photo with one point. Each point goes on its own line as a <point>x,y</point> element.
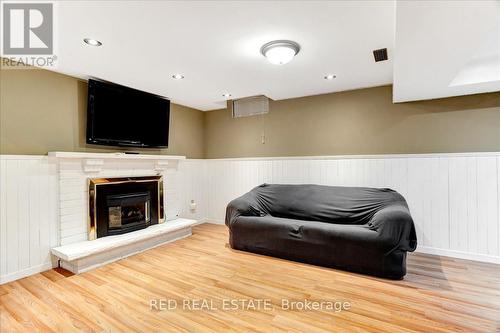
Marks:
<point>121,205</point>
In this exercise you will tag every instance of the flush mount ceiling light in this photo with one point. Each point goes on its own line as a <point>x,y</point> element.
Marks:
<point>178,76</point>
<point>330,77</point>
<point>92,42</point>
<point>226,95</point>
<point>280,52</point>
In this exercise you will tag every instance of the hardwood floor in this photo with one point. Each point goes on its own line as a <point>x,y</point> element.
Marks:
<point>438,294</point>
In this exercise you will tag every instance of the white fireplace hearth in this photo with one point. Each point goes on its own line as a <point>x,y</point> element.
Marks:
<point>76,251</point>
<point>83,256</point>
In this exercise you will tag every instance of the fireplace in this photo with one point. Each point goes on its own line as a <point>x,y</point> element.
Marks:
<point>121,205</point>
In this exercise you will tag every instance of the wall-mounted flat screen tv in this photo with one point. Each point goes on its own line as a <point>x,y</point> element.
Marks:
<point>122,116</point>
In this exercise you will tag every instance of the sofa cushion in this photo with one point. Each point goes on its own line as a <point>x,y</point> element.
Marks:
<point>331,204</point>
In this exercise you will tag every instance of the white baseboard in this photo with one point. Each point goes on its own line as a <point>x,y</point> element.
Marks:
<point>201,221</point>
<point>25,272</point>
<point>213,221</point>
<point>459,254</point>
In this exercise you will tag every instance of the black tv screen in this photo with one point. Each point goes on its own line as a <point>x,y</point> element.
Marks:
<point>122,116</point>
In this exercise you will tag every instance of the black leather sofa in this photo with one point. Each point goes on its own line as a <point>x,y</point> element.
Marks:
<point>364,230</point>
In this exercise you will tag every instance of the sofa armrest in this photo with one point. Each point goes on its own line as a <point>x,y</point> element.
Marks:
<point>394,224</point>
<point>246,205</point>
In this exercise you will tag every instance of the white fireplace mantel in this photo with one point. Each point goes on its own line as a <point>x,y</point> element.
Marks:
<point>94,162</point>
<point>106,156</point>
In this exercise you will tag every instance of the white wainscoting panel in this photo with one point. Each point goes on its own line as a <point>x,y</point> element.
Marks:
<point>453,198</point>
<point>28,215</point>
<point>192,177</point>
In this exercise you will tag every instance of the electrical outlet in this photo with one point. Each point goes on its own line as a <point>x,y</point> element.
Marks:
<point>192,206</point>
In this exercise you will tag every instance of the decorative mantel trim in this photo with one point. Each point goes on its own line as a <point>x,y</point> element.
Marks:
<point>94,162</point>
<point>122,156</point>
<point>91,165</point>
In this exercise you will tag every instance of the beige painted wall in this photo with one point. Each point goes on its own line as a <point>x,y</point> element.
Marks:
<point>358,122</point>
<point>43,111</point>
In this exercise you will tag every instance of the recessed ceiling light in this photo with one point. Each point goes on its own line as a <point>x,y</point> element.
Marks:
<point>92,42</point>
<point>226,95</point>
<point>178,76</point>
<point>330,77</point>
<point>280,52</point>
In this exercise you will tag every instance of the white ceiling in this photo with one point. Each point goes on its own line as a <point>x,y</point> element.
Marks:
<point>216,45</point>
<point>484,65</point>
<point>446,48</point>
<point>440,48</point>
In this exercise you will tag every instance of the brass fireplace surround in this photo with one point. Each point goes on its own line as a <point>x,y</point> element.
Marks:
<point>95,182</point>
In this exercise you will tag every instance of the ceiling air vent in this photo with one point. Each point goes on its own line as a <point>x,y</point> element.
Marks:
<point>250,106</point>
<point>380,55</point>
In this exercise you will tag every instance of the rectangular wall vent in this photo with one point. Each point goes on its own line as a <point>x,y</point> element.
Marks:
<point>250,106</point>
<point>380,55</point>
